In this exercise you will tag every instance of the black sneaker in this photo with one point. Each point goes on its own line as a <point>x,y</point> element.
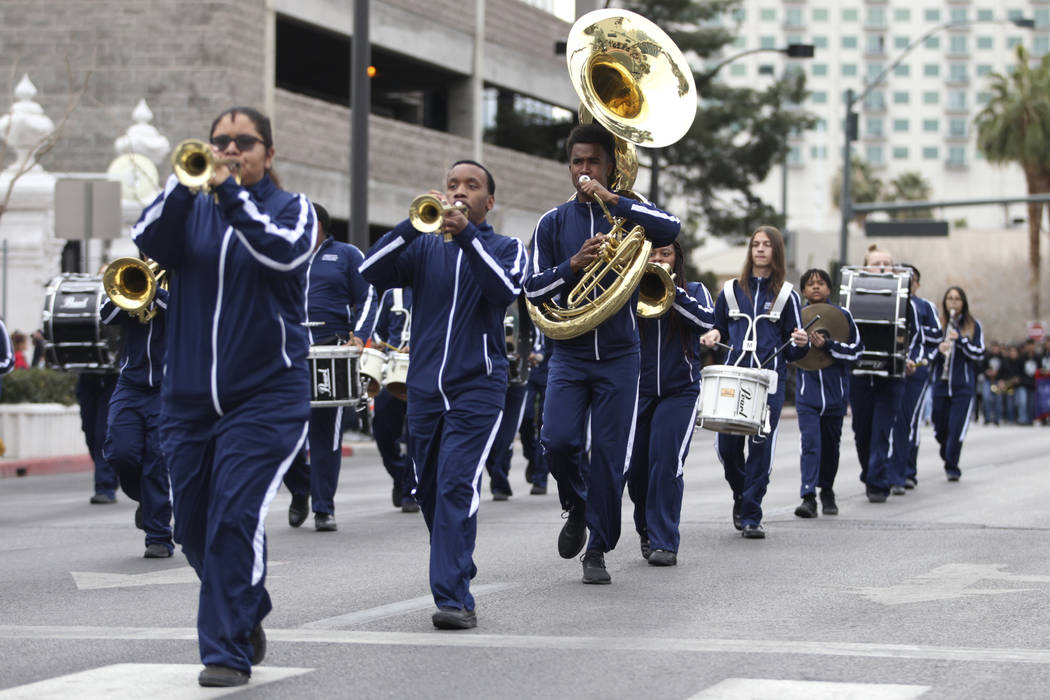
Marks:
<point>221,677</point>
<point>876,495</point>
<point>898,490</point>
<point>808,507</point>
<point>573,534</point>
<point>454,619</point>
<point>298,510</point>
<point>325,522</point>
<point>594,567</point>
<point>530,469</point>
<point>538,490</point>
<point>910,483</point>
<point>156,551</point>
<point>257,638</point>
<point>646,550</point>
<point>500,496</point>
<point>661,557</point>
<point>753,532</point>
<point>952,475</point>
<point>408,505</point>
<point>827,502</point>
<point>736,516</point>
<point>101,499</point>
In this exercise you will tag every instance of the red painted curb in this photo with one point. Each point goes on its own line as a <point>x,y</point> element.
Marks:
<point>65,464</point>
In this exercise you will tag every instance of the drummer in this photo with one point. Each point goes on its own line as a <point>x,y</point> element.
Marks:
<point>760,289</point>
<point>821,397</point>
<point>344,304</point>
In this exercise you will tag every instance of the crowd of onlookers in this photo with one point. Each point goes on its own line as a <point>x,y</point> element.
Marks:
<point>1007,382</point>
<point>20,345</point>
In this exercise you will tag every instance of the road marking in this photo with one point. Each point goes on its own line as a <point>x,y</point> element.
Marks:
<point>360,617</point>
<point>948,582</point>
<point>134,681</point>
<point>91,580</point>
<point>433,638</point>
<point>762,689</point>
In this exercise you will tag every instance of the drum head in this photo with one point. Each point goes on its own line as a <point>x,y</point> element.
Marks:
<point>74,336</point>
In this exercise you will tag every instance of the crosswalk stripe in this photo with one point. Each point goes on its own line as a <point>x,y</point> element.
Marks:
<point>769,689</point>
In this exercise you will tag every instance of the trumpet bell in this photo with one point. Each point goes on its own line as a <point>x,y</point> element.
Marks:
<point>630,75</point>
<point>132,285</point>
<point>193,163</point>
<point>426,213</point>
<point>656,291</point>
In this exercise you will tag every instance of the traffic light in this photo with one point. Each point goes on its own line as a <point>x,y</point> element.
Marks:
<point>800,51</point>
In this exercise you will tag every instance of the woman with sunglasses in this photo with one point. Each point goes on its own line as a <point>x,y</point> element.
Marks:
<point>954,377</point>
<point>236,350</point>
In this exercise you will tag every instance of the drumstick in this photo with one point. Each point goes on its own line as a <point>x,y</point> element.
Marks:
<point>723,345</point>
<point>781,348</point>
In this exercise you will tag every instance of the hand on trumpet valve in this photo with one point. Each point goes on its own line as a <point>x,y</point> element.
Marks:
<point>455,214</point>
<point>590,250</point>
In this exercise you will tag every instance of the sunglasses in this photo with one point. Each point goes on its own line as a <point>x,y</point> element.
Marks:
<point>245,142</point>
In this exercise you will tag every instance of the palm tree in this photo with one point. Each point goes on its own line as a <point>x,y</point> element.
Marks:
<point>866,187</point>
<point>1014,127</point>
<point>910,187</point>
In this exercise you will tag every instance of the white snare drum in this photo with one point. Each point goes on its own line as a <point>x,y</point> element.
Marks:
<point>334,375</point>
<point>397,375</point>
<point>733,399</point>
<point>371,368</point>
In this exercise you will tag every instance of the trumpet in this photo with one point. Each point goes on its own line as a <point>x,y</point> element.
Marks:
<point>132,285</point>
<point>427,214</point>
<point>193,163</point>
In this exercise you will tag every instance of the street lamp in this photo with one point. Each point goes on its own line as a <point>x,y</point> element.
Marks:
<point>849,125</point>
<point>791,51</point>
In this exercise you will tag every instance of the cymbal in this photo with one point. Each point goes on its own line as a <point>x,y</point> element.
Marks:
<point>833,324</point>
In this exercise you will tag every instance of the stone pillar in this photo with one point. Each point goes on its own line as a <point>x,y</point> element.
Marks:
<point>27,219</point>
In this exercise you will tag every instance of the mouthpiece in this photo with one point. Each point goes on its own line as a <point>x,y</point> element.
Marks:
<point>583,179</point>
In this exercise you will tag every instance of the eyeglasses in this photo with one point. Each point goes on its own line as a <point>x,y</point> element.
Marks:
<point>245,142</point>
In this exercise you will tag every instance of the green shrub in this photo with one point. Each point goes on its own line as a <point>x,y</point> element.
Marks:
<point>39,385</point>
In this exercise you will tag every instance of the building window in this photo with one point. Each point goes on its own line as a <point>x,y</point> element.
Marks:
<point>1014,14</point>
<point>901,14</point>
<point>958,14</point>
<point>900,125</point>
<point>957,73</point>
<point>820,14</point>
<point>820,42</point>
<point>766,69</point>
<point>1013,42</point>
<point>876,17</point>
<point>984,98</point>
<point>849,14</point>
<point>738,14</point>
<point>874,127</point>
<point>931,125</point>
<point>902,70</point>
<point>933,42</point>
<point>739,42</point>
<point>818,152</point>
<point>876,43</point>
<point>931,70</point>
<point>956,99</point>
<point>931,98</point>
<point>819,69</point>
<point>767,14</point>
<point>957,155</point>
<point>737,69</point>
<point>873,70</point>
<point>793,18</point>
<point>900,153</point>
<point>873,154</point>
<point>794,156</point>
<point>849,69</point>
<point>875,100</point>
<point>1042,18</point>
<point>1040,44</point>
<point>818,97</point>
<point>900,98</point>
<point>985,42</point>
<point>767,42</point>
<point>849,42</point>
<point>932,15</point>
<point>900,42</point>
<point>985,15</point>
<point>982,69</point>
<point>957,127</point>
<point>957,43</point>
<point>930,153</point>
<point>793,38</point>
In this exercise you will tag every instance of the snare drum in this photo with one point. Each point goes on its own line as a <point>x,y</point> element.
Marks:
<point>74,337</point>
<point>878,302</point>
<point>371,369</point>
<point>397,375</point>
<point>334,375</point>
<point>733,399</point>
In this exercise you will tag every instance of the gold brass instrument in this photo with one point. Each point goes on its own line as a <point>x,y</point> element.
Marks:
<point>833,324</point>
<point>193,163</point>
<point>132,285</point>
<point>656,291</point>
<point>427,213</point>
<point>633,80</point>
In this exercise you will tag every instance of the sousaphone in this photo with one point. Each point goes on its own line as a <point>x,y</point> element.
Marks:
<point>633,80</point>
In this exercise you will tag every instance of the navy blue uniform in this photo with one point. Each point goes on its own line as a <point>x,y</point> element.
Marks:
<point>392,328</point>
<point>532,418</point>
<point>906,432</point>
<point>954,381</point>
<point>457,379</point>
<point>132,440</point>
<point>340,298</point>
<point>236,350</point>
<point>596,372</point>
<point>93,391</point>
<point>7,353</point>
<point>668,391</point>
<point>821,398</point>
<point>748,477</point>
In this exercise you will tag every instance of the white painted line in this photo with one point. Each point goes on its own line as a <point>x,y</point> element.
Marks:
<point>135,681</point>
<point>949,582</point>
<point>764,689</point>
<point>91,580</point>
<point>432,638</point>
<point>360,617</point>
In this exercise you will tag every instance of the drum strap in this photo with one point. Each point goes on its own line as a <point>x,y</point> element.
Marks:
<point>774,313</point>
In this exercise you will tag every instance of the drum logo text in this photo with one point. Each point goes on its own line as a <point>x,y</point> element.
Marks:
<point>745,395</point>
<point>324,387</point>
<point>74,302</point>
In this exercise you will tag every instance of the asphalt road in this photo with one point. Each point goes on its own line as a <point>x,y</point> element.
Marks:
<point>941,593</point>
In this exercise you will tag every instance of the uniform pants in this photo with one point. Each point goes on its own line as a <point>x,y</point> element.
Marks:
<point>661,444</point>
<point>93,392</point>
<point>607,390</point>
<point>225,471</point>
<point>531,425</point>
<point>820,439</point>
<point>876,401</point>
<point>906,432</point>
<point>326,455</point>
<point>498,462</point>
<point>133,449</point>
<point>388,429</point>
<point>748,477</point>
<point>951,419</point>
<point>448,448</point>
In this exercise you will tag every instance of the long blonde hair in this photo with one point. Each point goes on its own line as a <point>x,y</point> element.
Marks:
<point>778,263</point>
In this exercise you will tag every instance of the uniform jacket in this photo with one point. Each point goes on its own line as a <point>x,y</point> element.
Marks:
<point>142,360</point>
<point>7,352</point>
<point>460,291</point>
<point>827,390</point>
<point>238,281</point>
<point>667,366</point>
<point>337,294</point>
<point>558,236</point>
<point>930,322</point>
<point>393,322</point>
<point>962,363</point>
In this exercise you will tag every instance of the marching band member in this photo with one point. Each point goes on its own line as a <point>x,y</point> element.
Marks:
<point>457,379</point>
<point>668,391</point>
<point>7,353</point>
<point>132,443</point>
<point>338,298</point>
<point>760,289</point>
<point>93,391</point>
<point>388,420</point>
<point>235,398</point>
<point>821,398</point>
<point>537,471</point>
<point>498,462</point>
<point>876,405</point>
<point>954,374</point>
<point>594,374</point>
<point>906,433</point>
